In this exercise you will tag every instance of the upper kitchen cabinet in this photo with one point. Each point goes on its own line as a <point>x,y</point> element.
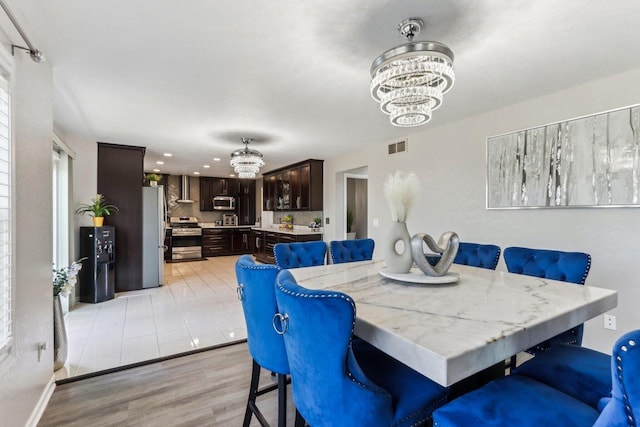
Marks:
<point>206,193</point>
<point>246,202</point>
<point>269,192</point>
<point>243,190</point>
<point>294,187</point>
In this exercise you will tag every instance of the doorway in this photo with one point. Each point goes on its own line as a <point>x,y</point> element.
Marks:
<point>356,206</point>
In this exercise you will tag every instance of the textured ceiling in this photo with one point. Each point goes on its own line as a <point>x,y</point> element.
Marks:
<point>192,77</point>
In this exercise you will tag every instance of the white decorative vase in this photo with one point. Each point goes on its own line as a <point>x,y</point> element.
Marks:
<point>398,262</point>
<point>59,335</point>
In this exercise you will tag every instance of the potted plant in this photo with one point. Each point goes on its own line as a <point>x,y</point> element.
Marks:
<point>351,235</point>
<point>153,179</point>
<point>97,209</point>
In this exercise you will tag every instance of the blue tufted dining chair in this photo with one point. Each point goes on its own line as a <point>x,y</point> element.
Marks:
<point>300,254</point>
<point>556,265</point>
<point>351,250</point>
<point>517,400</point>
<point>478,255</point>
<point>256,290</point>
<point>577,371</point>
<point>340,382</point>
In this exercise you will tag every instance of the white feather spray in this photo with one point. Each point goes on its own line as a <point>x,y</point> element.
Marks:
<point>401,190</point>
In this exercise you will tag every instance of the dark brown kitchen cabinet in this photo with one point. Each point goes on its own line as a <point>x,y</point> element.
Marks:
<point>168,246</point>
<point>241,241</point>
<point>264,241</point>
<point>225,186</point>
<point>215,242</point>
<point>206,194</point>
<point>246,202</point>
<point>269,192</point>
<point>120,179</point>
<point>258,243</point>
<point>295,187</point>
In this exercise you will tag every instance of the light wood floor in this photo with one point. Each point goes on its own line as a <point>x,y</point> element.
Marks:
<point>204,389</point>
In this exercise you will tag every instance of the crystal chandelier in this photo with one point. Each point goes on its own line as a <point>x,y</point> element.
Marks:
<point>246,162</point>
<point>409,80</point>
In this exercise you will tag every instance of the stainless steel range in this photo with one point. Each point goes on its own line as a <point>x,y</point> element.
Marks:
<point>186,238</point>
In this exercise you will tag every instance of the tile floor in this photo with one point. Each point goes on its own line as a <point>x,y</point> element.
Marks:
<point>197,307</point>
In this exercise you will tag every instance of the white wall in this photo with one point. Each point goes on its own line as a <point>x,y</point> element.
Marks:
<point>24,385</point>
<point>450,161</point>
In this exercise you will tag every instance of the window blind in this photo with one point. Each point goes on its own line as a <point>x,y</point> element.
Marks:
<point>6,309</point>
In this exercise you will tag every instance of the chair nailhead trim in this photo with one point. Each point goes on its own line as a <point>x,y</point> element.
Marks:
<point>619,369</point>
<point>353,324</point>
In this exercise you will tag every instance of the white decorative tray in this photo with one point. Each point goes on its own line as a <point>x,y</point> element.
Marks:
<point>417,276</point>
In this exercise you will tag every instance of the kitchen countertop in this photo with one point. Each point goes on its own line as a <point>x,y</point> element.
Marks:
<point>212,225</point>
<point>297,230</point>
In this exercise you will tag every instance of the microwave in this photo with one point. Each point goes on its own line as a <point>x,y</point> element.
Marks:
<point>224,203</point>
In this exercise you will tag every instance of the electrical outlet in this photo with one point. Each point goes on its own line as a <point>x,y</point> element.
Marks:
<point>610,322</point>
<point>376,223</point>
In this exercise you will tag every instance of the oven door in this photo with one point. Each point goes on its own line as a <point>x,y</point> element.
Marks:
<point>186,252</point>
<point>186,243</point>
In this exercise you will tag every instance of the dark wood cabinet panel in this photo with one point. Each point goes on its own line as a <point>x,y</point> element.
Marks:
<point>269,192</point>
<point>120,179</point>
<point>241,241</point>
<point>215,242</point>
<point>226,241</point>
<point>296,187</point>
<point>246,202</point>
<point>206,194</point>
<point>264,241</point>
<point>167,245</point>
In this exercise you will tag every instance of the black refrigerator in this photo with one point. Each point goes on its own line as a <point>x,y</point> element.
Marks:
<point>97,275</point>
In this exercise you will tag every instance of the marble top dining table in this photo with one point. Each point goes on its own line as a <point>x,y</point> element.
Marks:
<point>449,332</point>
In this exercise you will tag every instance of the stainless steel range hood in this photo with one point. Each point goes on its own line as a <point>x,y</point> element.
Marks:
<point>185,190</point>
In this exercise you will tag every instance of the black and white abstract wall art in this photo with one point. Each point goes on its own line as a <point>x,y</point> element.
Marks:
<point>591,161</point>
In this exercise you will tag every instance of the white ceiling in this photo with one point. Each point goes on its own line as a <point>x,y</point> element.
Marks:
<point>192,77</point>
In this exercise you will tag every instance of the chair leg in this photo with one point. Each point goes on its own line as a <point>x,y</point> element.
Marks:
<point>300,422</point>
<point>253,390</point>
<point>282,400</point>
<point>512,363</point>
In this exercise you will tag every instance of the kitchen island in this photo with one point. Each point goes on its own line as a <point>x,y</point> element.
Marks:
<point>265,238</point>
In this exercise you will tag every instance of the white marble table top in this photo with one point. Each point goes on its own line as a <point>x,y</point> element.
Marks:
<point>451,331</point>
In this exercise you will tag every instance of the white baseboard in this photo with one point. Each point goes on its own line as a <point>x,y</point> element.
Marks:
<point>37,412</point>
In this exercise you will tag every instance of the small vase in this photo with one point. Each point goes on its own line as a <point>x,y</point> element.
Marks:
<point>98,221</point>
<point>59,335</point>
<point>153,183</point>
<point>398,262</point>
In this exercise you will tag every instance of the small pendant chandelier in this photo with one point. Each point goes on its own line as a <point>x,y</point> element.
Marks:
<point>409,80</point>
<point>246,162</point>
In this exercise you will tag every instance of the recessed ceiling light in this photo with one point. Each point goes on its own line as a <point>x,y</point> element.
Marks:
<point>206,166</point>
<point>167,154</point>
<point>196,173</point>
<point>160,162</point>
<point>216,159</point>
<point>156,170</point>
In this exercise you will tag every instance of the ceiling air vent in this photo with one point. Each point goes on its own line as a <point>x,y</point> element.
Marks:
<point>398,147</point>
